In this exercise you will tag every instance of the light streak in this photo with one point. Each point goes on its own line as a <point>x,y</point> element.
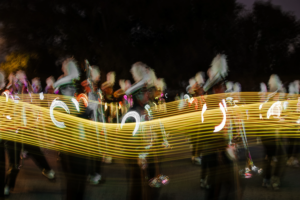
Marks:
<point>202,112</point>
<point>41,96</point>
<point>275,109</point>
<point>224,103</point>
<point>176,124</point>
<point>221,126</point>
<point>137,118</point>
<point>6,93</point>
<point>76,104</point>
<point>57,103</point>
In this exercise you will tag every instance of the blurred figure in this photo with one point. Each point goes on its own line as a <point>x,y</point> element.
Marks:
<point>218,157</point>
<point>197,92</point>
<point>14,149</point>
<point>136,167</point>
<point>111,107</point>
<point>74,166</point>
<point>273,144</point>
<point>94,112</point>
<point>66,82</point>
<point>293,142</point>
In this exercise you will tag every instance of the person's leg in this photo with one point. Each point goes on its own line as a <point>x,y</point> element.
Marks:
<point>270,151</point>
<point>75,170</point>
<point>13,150</point>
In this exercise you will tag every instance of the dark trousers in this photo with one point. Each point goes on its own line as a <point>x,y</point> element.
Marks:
<point>221,175</point>
<point>14,150</point>
<point>75,170</point>
<point>272,148</point>
<point>292,147</point>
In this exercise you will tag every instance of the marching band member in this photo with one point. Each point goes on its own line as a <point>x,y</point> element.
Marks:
<point>136,166</point>
<point>74,166</point>
<point>272,143</point>
<point>110,106</point>
<point>199,101</point>
<point>217,154</point>
<point>292,146</point>
<point>95,113</point>
<point>157,131</point>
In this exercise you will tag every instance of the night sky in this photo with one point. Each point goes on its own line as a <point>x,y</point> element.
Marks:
<point>287,5</point>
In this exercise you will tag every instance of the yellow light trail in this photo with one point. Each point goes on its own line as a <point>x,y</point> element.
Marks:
<point>29,121</point>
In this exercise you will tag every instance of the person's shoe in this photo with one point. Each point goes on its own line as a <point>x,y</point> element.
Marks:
<point>275,182</point>
<point>94,180</point>
<point>6,190</point>
<point>159,181</point>
<point>49,174</point>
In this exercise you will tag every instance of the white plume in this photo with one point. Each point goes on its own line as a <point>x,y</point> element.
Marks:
<point>296,86</point>
<point>292,89</point>
<point>199,78</point>
<point>160,84</point>
<point>237,87</point>
<point>192,81</point>
<point>152,77</point>
<point>229,86</point>
<point>138,71</point>
<point>122,84</point>
<point>274,83</point>
<point>263,87</point>
<point>111,77</point>
<point>218,67</point>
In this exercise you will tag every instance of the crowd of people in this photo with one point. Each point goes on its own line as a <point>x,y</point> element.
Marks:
<point>144,172</point>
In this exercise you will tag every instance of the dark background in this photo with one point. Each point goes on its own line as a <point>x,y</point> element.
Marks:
<point>176,38</point>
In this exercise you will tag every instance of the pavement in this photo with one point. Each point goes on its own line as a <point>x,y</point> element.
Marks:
<point>184,182</point>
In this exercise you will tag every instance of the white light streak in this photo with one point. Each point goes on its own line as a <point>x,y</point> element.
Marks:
<point>221,126</point>
<point>76,104</point>
<point>203,110</point>
<point>137,118</point>
<point>41,96</point>
<point>56,103</point>
<point>6,95</point>
<point>224,103</point>
<point>275,109</point>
